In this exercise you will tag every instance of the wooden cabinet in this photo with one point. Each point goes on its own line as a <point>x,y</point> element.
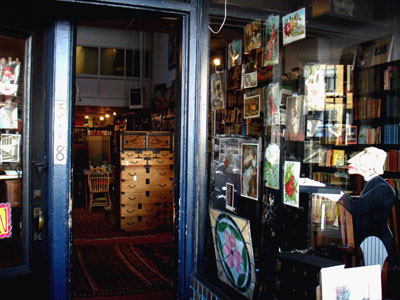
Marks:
<point>146,180</point>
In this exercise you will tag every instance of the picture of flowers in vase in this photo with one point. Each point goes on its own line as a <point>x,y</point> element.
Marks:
<point>294,26</point>
<point>233,251</point>
<point>291,183</point>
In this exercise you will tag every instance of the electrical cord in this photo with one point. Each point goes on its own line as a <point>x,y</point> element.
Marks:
<point>223,22</point>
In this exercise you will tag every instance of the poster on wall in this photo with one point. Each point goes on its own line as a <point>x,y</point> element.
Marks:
<point>295,120</point>
<point>252,36</point>
<point>9,148</point>
<point>251,106</point>
<point>234,54</point>
<point>291,183</point>
<point>9,74</point>
<point>233,251</point>
<point>271,166</point>
<point>314,86</point>
<point>218,90</point>
<point>271,49</point>
<point>249,74</point>
<point>294,26</point>
<point>8,115</point>
<point>272,104</point>
<point>250,171</point>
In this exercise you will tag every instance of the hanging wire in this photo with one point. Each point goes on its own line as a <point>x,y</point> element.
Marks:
<point>223,22</point>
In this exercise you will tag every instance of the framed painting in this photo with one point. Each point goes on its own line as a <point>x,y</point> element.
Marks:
<point>233,251</point>
<point>271,48</point>
<point>9,147</point>
<point>271,166</point>
<point>230,193</point>
<point>234,54</point>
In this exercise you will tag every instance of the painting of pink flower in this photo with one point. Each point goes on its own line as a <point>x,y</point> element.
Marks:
<point>233,256</point>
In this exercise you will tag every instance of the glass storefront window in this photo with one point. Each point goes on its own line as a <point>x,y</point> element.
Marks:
<point>112,61</point>
<point>303,117</point>
<point>11,116</point>
<point>87,60</point>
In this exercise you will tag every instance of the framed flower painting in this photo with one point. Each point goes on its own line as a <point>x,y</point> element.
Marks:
<point>291,183</point>
<point>233,251</point>
<point>294,26</point>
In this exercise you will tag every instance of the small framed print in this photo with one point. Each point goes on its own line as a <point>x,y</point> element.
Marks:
<point>351,135</point>
<point>9,148</point>
<point>294,26</point>
<point>251,106</point>
<point>250,171</point>
<point>230,193</point>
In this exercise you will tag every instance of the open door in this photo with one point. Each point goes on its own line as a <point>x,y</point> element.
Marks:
<point>23,230</point>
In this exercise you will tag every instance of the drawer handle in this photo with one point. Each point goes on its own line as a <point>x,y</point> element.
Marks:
<point>163,197</point>
<point>134,174</point>
<point>128,223</point>
<point>134,162</point>
<point>134,198</point>
<point>148,155</point>
<point>160,162</point>
<point>164,154</point>
<point>162,185</point>
<point>130,211</point>
<point>128,154</point>
<point>149,209</point>
<point>132,186</point>
<point>163,173</point>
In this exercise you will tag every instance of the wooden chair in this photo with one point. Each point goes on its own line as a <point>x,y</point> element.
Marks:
<point>99,183</point>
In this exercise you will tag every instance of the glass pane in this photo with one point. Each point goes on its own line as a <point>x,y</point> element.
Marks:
<point>112,61</point>
<point>86,60</point>
<point>136,63</point>
<point>11,109</point>
<point>147,64</point>
<point>129,63</point>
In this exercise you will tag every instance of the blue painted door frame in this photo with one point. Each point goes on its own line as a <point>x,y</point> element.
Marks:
<point>191,139</point>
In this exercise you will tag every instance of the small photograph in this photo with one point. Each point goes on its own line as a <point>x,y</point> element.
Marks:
<point>271,49</point>
<point>234,54</point>
<point>295,123</point>
<point>9,74</point>
<point>230,157</point>
<point>315,124</point>
<point>250,171</point>
<point>9,147</point>
<point>230,191</point>
<point>8,115</point>
<point>272,104</point>
<point>218,90</point>
<point>294,26</point>
<point>251,106</point>
<point>291,183</point>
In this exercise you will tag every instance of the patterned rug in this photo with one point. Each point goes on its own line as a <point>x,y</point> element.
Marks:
<point>112,269</point>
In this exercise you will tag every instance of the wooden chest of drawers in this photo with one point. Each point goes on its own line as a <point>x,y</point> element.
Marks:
<point>146,180</point>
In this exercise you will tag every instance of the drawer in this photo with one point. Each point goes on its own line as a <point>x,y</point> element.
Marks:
<point>135,161</point>
<point>133,198</point>
<point>161,161</point>
<point>140,209</point>
<point>131,141</point>
<point>161,173</point>
<point>161,186</point>
<point>130,186</point>
<point>159,141</point>
<point>138,223</point>
<point>131,173</point>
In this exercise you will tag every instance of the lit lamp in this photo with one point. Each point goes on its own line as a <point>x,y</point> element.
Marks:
<point>101,118</point>
<point>107,116</point>
<point>217,64</point>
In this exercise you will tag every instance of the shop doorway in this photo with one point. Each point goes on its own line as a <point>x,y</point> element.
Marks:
<point>126,78</point>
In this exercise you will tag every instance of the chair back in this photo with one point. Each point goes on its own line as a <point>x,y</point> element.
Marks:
<point>374,251</point>
<point>99,180</point>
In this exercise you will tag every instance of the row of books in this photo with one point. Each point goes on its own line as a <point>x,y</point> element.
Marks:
<point>392,162</point>
<point>366,108</point>
<point>324,157</point>
<point>369,135</point>
<point>369,81</point>
<point>391,78</point>
<point>337,178</point>
<point>99,132</point>
<point>391,134</point>
<point>395,183</point>
<point>392,106</point>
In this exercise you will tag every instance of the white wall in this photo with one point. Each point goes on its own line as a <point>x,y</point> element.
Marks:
<point>161,73</point>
